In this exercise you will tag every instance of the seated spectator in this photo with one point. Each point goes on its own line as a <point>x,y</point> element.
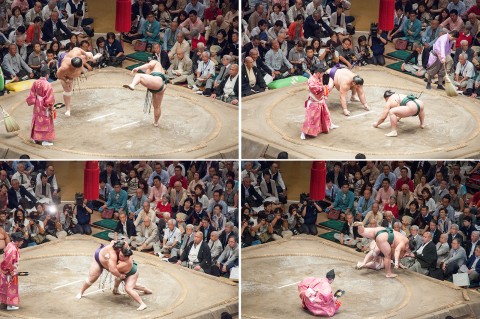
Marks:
<point>392,207</point>
<point>117,201</point>
<point>34,32</point>
<point>19,196</point>
<point>444,224</point>
<point>214,26</point>
<point>473,266</point>
<point>443,249</point>
<point>278,63</point>
<point>227,90</point>
<point>218,219</point>
<point>345,53</point>
<point>314,26</point>
<point>431,33</point>
<point>161,56</point>
<point>67,219</point>
<point>196,255</point>
<point>388,219</point>
<point>349,235</point>
<point>399,23</point>
<point>456,258</point>
<point>83,214</point>
<point>136,29</point>
<point>344,201</point>
<point>171,241</point>
<point>467,211</point>
<point>412,28</point>
<point>296,57</point>
<point>364,205</point>
<point>425,256</point>
<point>252,81</point>
<point>76,23</point>
<point>373,214</point>
<point>420,59</point>
<point>125,227</point>
<point>215,246</point>
<point>250,196</point>
<point>228,259</point>
<point>146,211</point>
<point>146,235</point>
<point>454,22</point>
<point>464,74</point>
<point>198,214</point>
<point>163,206</point>
<point>193,22</point>
<point>151,30</point>
<point>204,74</point>
<point>37,61</point>
<point>15,68</point>
<point>433,229</point>
<point>116,55</point>
<point>178,195</point>
<point>33,13</point>
<point>157,191</point>
<point>472,242</point>
<point>384,193</point>
<point>54,30</point>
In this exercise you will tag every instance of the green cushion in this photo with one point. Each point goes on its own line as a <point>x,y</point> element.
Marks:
<point>329,236</point>
<point>107,223</point>
<point>103,235</point>
<point>399,54</point>
<point>277,84</point>
<point>333,224</point>
<point>139,56</point>
<point>2,81</point>
<point>131,67</point>
<point>397,66</point>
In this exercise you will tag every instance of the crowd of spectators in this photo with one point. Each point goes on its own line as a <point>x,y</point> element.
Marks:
<point>184,212</point>
<point>285,38</point>
<point>425,201</point>
<point>197,43</point>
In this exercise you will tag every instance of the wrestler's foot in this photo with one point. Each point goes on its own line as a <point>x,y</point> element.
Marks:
<point>392,134</point>
<point>147,291</point>
<point>127,86</point>
<point>155,124</point>
<point>354,99</point>
<point>302,136</point>
<point>346,112</point>
<point>422,125</point>
<point>391,275</point>
<point>67,113</point>
<point>10,308</point>
<point>79,296</point>
<point>366,107</point>
<point>142,307</point>
<point>359,265</point>
<point>45,143</point>
<point>333,126</point>
<point>115,291</point>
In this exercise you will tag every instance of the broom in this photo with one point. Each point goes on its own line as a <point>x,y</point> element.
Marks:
<point>10,124</point>
<point>449,87</point>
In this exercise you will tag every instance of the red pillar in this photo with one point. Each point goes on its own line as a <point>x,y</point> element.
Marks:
<point>386,15</point>
<point>123,20</point>
<point>318,176</point>
<point>91,176</point>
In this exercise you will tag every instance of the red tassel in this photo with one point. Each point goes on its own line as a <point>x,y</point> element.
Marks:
<point>318,176</point>
<point>91,180</point>
<point>123,21</point>
<point>386,15</point>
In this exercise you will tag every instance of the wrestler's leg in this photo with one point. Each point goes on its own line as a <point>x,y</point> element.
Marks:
<point>148,81</point>
<point>130,283</point>
<point>386,249</point>
<point>370,256</point>
<point>143,289</point>
<point>157,106</point>
<point>67,92</point>
<point>421,115</point>
<point>116,285</point>
<point>93,274</point>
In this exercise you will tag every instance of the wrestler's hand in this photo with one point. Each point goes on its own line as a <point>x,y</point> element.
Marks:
<point>122,276</point>
<point>197,268</point>
<point>135,70</point>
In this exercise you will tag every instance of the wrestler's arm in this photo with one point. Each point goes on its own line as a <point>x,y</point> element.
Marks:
<point>112,266</point>
<point>343,97</point>
<point>144,67</point>
<point>361,95</point>
<point>398,250</point>
<point>384,115</point>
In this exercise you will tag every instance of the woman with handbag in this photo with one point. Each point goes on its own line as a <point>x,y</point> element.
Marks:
<point>42,98</point>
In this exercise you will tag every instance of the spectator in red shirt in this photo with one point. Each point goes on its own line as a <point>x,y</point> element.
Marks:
<point>475,9</point>
<point>211,12</point>
<point>163,206</point>
<point>177,177</point>
<point>404,180</point>
<point>196,39</point>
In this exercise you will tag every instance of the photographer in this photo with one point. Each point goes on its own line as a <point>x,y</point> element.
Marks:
<point>35,228</point>
<point>310,209</point>
<point>363,52</point>
<point>278,224</point>
<point>295,220</point>
<point>261,229</point>
<point>249,235</point>
<point>82,210</point>
<point>69,221</point>
<point>377,41</point>
<point>53,228</point>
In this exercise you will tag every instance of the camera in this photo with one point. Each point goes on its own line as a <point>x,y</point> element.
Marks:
<point>270,217</point>
<point>285,217</point>
<point>250,224</point>
<point>373,30</point>
<point>331,48</point>
<point>79,199</point>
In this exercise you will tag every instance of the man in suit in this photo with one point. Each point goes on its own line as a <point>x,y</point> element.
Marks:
<point>227,233</point>
<point>160,55</point>
<point>249,195</point>
<point>456,258</point>
<point>53,27</point>
<point>228,259</point>
<point>388,219</point>
<point>425,256</point>
<point>125,227</point>
<point>180,68</point>
<point>252,78</point>
<point>433,229</point>
<point>224,71</point>
<point>18,195</point>
<point>206,228</point>
<point>197,255</point>
<point>349,235</point>
<point>472,243</point>
<point>227,91</point>
<point>454,234</point>
<point>215,246</point>
<point>473,265</point>
<point>187,238</point>
<point>259,62</point>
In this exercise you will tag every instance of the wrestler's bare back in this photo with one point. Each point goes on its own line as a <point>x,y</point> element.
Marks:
<point>67,71</point>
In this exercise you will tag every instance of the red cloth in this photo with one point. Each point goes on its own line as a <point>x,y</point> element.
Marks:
<point>91,180</point>
<point>182,179</point>
<point>123,22</point>
<point>210,14</point>
<point>393,209</point>
<point>163,208</point>
<point>400,182</point>
<point>30,34</point>
<point>475,10</point>
<point>317,118</point>
<point>197,40</point>
<point>42,98</point>
<point>462,36</point>
<point>318,175</point>
<point>386,15</point>
<point>292,30</point>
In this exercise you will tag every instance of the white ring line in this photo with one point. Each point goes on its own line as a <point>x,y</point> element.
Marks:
<point>71,283</point>
<point>116,128</point>
<point>93,292</point>
<point>361,114</point>
<point>99,117</point>
<point>295,283</point>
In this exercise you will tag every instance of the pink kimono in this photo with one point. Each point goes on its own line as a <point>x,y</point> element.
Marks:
<point>317,296</point>
<point>317,118</point>
<point>42,98</point>
<point>8,276</point>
